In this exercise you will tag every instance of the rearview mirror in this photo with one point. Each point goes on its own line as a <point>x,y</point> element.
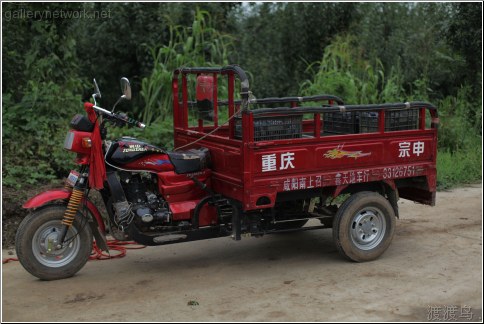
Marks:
<point>126,88</point>
<point>97,92</point>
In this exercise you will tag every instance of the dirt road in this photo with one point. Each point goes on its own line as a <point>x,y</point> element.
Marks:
<point>433,265</point>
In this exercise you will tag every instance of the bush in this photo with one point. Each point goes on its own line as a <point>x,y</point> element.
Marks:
<point>458,167</point>
<point>344,72</point>
<point>36,112</point>
<point>34,130</point>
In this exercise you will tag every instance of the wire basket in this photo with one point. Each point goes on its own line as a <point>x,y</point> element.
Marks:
<point>395,120</point>
<point>272,127</point>
<point>401,119</point>
<point>340,122</point>
<point>367,121</point>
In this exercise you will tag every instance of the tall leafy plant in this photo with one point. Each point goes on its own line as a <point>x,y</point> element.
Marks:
<point>345,72</point>
<point>198,45</point>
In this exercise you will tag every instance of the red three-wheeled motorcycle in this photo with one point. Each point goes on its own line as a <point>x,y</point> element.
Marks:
<point>241,167</point>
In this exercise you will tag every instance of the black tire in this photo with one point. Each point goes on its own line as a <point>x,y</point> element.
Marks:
<point>35,231</point>
<point>364,226</point>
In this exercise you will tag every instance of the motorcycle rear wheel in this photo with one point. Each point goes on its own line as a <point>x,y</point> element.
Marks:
<point>35,248</point>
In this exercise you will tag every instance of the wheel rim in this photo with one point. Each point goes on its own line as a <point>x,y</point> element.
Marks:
<point>368,228</point>
<point>44,241</point>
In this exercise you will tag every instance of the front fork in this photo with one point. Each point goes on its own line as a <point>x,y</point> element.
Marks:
<point>73,206</point>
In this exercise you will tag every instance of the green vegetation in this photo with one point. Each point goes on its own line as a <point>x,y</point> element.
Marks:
<point>344,71</point>
<point>459,159</point>
<point>40,94</point>
<point>362,52</point>
<point>198,45</point>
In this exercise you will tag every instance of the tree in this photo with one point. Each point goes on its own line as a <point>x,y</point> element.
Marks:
<point>277,41</point>
<point>465,36</point>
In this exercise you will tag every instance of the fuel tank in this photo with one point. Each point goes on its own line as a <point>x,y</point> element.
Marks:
<point>131,154</point>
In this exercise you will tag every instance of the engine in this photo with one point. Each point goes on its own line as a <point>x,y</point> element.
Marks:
<point>150,210</point>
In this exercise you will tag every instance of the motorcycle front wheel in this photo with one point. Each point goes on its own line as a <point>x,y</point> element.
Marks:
<point>35,244</point>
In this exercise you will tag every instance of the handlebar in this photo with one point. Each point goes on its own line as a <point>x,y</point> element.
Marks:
<point>120,117</point>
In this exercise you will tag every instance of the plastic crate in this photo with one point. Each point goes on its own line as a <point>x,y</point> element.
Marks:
<point>368,121</point>
<point>340,122</point>
<point>273,127</point>
<point>401,119</point>
<point>395,120</point>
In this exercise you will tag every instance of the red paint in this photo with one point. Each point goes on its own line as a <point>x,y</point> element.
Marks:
<point>208,216</point>
<point>83,159</point>
<point>97,172</point>
<point>215,102</point>
<point>422,119</point>
<point>77,141</point>
<point>151,163</point>
<point>63,194</point>
<point>204,89</point>
<point>231,81</point>
<point>184,211</point>
<point>183,195</point>
<point>179,187</point>
<point>381,122</point>
<point>237,168</point>
<point>184,112</point>
<point>317,125</point>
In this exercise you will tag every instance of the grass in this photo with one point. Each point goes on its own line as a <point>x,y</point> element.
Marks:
<point>460,167</point>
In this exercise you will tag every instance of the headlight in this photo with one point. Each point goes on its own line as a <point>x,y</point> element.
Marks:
<point>69,140</point>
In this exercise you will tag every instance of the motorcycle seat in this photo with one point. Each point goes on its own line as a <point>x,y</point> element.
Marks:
<point>190,161</point>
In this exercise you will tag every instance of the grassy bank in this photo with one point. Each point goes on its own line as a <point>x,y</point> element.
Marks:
<point>458,168</point>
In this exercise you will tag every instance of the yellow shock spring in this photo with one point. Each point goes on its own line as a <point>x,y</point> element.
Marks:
<point>68,186</point>
<point>72,207</point>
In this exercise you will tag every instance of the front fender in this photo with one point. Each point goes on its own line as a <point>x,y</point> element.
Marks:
<point>63,194</point>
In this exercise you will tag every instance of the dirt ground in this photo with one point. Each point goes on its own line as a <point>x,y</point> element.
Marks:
<point>433,266</point>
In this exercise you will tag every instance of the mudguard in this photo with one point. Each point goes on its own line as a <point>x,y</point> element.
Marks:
<point>64,194</point>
